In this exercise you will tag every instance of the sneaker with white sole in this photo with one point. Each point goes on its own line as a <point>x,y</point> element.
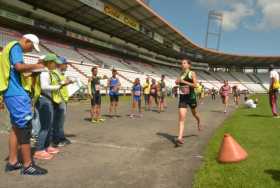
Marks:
<point>33,170</point>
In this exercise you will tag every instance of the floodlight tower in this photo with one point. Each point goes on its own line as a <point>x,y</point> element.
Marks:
<point>214,28</point>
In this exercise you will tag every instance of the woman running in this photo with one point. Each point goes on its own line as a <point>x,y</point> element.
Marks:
<point>187,83</point>
<point>224,92</point>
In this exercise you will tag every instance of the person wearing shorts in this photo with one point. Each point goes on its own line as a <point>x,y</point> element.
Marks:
<point>153,93</point>
<point>187,98</point>
<point>146,91</point>
<point>136,98</point>
<point>224,93</point>
<point>236,95</point>
<point>19,105</point>
<point>95,95</point>
<point>213,94</point>
<point>114,86</point>
<point>162,91</point>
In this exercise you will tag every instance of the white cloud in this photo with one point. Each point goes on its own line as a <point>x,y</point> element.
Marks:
<point>263,14</point>
<point>270,10</point>
<point>233,17</point>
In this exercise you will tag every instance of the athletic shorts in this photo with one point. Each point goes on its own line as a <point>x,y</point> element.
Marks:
<point>137,98</point>
<point>187,100</point>
<point>114,98</point>
<point>154,95</point>
<point>20,109</point>
<point>96,100</point>
<point>236,95</point>
<point>146,97</point>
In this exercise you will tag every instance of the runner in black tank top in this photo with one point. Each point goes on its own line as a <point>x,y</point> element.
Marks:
<point>94,88</point>
<point>187,83</point>
<point>153,93</point>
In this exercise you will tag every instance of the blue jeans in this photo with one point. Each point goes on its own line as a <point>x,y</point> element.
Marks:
<point>36,123</point>
<point>58,124</point>
<point>46,114</point>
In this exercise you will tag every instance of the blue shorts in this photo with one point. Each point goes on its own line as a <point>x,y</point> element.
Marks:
<point>20,108</point>
<point>137,98</point>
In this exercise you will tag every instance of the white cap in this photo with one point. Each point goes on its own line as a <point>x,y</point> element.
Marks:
<point>34,39</point>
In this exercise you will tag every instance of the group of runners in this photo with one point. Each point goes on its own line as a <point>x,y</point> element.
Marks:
<point>150,91</point>
<point>225,92</point>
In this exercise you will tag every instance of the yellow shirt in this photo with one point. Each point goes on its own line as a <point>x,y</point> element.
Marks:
<point>147,88</point>
<point>199,89</point>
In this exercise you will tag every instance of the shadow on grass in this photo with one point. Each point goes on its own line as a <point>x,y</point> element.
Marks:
<point>172,138</point>
<point>259,115</point>
<point>275,174</point>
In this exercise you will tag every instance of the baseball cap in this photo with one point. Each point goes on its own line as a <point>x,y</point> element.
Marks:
<point>52,57</point>
<point>63,60</point>
<point>34,39</point>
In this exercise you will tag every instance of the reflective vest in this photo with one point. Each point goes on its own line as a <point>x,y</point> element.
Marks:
<point>5,67</point>
<point>56,95</point>
<point>63,91</point>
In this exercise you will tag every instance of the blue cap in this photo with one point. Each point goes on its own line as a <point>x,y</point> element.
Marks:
<point>63,60</point>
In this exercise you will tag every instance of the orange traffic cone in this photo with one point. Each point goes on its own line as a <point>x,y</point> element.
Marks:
<point>231,151</point>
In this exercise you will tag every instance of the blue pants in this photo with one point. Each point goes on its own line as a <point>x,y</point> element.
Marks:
<point>46,114</point>
<point>58,124</point>
<point>36,123</point>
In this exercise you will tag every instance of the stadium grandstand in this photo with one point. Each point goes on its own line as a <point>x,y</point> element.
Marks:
<point>128,36</point>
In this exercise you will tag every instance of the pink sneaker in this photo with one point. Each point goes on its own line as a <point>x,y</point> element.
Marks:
<point>52,150</point>
<point>42,155</point>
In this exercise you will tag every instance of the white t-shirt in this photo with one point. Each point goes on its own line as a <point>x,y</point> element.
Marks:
<point>250,104</point>
<point>274,74</point>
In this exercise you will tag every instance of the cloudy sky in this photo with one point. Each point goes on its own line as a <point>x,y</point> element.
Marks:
<point>249,26</point>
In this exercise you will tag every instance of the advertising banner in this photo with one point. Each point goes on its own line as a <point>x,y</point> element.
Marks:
<point>121,17</point>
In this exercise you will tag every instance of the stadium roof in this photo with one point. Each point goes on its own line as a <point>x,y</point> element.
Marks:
<point>77,10</point>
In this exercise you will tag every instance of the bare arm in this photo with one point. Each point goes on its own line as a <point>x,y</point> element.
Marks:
<point>89,87</point>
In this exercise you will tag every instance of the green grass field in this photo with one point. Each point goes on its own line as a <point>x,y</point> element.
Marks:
<point>258,133</point>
